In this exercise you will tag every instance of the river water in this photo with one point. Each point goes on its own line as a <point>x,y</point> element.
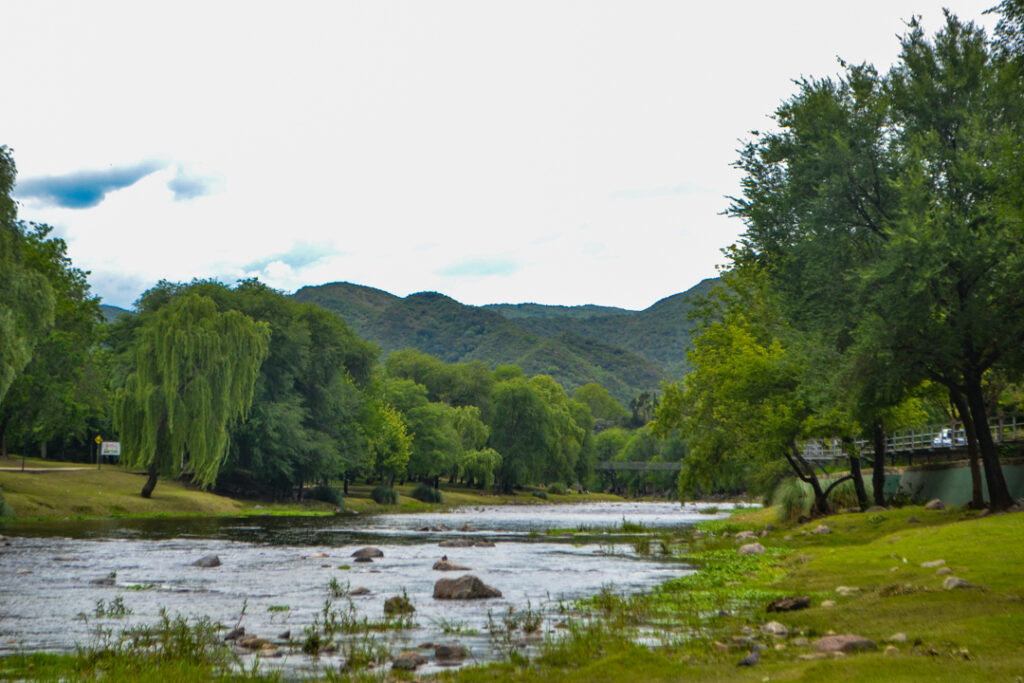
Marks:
<point>279,569</point>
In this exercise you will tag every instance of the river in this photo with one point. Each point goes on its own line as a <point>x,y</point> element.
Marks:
<point>278,569</point>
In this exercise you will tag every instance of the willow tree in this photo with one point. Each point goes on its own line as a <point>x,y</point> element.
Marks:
<point>195,369</point>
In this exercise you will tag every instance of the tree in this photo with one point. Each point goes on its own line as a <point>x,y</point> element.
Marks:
<point>195,371</point>
<point>26,298</point>
<point>603,405</point>
<point>390,443</point>
<point>521,431</point>
<point>61,387</point>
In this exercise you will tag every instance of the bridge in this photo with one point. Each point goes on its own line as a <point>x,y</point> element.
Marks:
<point>939,440</point>
<point>637,466</point>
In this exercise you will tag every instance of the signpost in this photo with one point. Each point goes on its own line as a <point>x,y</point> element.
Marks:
<point>98,440</point>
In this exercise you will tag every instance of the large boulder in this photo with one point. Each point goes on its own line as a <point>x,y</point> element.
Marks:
<point>457,543</point>
<point>751,549</point>
<point>466,587</point>
<point>368,553</point>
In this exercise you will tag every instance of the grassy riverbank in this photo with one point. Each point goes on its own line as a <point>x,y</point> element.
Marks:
<point>703,625</point>
<point>55,490</point>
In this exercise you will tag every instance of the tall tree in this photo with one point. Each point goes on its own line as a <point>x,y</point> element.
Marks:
<point>26,298</point>
<point>195,370</point>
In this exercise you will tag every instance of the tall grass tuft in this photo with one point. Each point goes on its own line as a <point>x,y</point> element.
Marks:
<point>794,498</point>
<point>426,493</point>
<point>382,495</point>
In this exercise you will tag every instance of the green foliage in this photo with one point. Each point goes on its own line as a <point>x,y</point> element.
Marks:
<point>540,493</point>
<point>27,300</point>
<point>327,494</point>
<point>383,495</point>
<point>479,466</point>
<point>5,509</point>
<point>426,493</point>
<point>194,373</point>
<point>390,443</point>
<point>557,488</point>
<point>601,403</point>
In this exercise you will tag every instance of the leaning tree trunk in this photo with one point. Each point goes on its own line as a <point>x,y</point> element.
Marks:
<point>878,468</point>
<point>977,494</point>
<point>858,482</point>
<point>147,488</point>
<point>998,492</point>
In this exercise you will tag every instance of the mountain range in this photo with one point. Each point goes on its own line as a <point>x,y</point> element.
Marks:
<point>627,352</point>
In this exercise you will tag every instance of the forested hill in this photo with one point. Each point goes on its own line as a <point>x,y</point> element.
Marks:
<point>627,352</point>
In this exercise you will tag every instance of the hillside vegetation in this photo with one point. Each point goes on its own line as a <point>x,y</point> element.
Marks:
<point>627,352</point>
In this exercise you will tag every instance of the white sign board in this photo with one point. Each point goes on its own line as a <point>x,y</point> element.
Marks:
<point>110,448</point>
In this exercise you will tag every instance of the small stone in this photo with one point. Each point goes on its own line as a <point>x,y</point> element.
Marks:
<point>800,641</point>
<point>875,508</point>
<point>483,544</point>
<point>362,590</point>
<point>913,520</point>
<point>828,603</point>
<point>751,549</point>
<point>776,629</point>
<point>318,556</point>
<point>845,643</point>
<point>745,536</point>
<point>954,582</point>
<point>934,504</point>
<point>810,656</point>
<point>847,591</point>
<point>207,561</point>
<point>943,571</point>
<point>898,638</point>
<point>821,529</point>
<point>891,650</point>
<point>287,635</point>
<point>408,660</point>
<point>235,633</point>
<point>450,653</point>
<point>933,563</point>
<point>789,604</point>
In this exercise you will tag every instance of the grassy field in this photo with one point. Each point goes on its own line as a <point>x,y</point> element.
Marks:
<point>55,490</point>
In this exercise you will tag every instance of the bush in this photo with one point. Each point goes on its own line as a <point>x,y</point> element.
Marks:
<point>558,488</point>
<point>327,494</point>
<point>540,494</point>
<point>427,494</point>
<point>382,495</point>
<point>795,497</point>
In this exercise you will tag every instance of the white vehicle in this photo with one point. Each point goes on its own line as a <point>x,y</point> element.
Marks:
<point>946,437</point>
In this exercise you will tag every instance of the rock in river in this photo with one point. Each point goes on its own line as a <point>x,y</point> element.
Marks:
<point>207,561</point>
<point>368,553</point>
<point>466,587</point>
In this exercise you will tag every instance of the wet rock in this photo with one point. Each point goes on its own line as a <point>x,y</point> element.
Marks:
<point>408,661</point>
<point>207,562</point>
<point>398,604</point>
<point>466,587</point>
<point>108,580</point>
<point>845,643</point>
<point>443,565</point>
<point>367,553</point>
<point>362,590</point>
<point>789,604</point>
<point>363,559</point>
<point>934,504</point>
<point>253,643</point>
<point>235,633</point>
<point>287,635</point>
<point>318,556</point>
<point>466,527</point>
<point>483,544</point>
<point>751,549</point>
<point>450,653</point>
<point>456,543</point>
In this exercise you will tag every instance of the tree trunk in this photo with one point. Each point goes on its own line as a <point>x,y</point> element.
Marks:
<point>998,492</point>
<point>147,488</point>
<point>806,474</point>
<point>977,493</point>
<point>878,469</point>
<point>858,481</point>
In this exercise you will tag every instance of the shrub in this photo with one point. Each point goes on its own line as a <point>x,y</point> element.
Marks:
<point>427,494</point>
<point>382,495</point>
<point>795,497</point>
<point>327,494</point>
<point>558,488</point>
<point>540,494</point>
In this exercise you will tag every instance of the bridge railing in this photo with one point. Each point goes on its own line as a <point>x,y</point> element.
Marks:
<point>1004,429</point>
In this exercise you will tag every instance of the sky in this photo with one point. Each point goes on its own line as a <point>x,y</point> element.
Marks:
<point>548,151</point>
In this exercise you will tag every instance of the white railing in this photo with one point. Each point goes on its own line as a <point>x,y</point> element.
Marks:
<point>1004,429</point>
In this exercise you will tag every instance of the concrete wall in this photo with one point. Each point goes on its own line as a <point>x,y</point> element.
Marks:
<point>950,482</point>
